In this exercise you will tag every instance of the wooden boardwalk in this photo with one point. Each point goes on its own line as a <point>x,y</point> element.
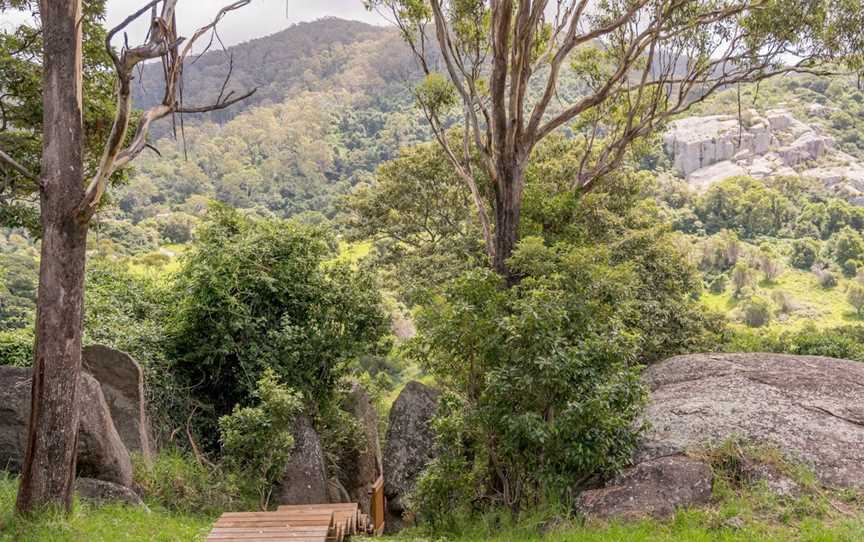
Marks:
<point>302,523</point>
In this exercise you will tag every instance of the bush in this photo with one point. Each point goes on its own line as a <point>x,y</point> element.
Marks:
<point>257,441</point>
<point>742,277</point>
<point>825,278</point>
<point>851,267</point>
<point>558,342</point>
<point>260,294</point>
<point>804,253</point>
<point>855,296</point>
<point>845,342</point>
<point>847,244</point>
<point>129,312</point>
<point>16,347</point>
<point>175,481</point>
<point>757,312</point>
<point>718,285</point>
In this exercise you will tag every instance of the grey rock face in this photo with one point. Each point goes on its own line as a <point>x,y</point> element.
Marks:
<point>410,443</point>
<point>705,150</point>
<point>102,492</point>
<point>305,480</point>
<point>651,488</point>
<point>122,383</point>
<point>362,469</point>
<point>101,453</point>
<point>809,408</point>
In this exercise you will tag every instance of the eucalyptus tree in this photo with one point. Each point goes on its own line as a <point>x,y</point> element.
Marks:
<point>500,65</point>
<point>67,205</point>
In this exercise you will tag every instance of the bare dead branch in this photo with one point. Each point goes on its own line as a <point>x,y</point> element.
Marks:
<point>161,42</point>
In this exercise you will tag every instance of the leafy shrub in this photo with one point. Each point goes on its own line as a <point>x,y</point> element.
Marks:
<point>855,296</point>
<point>847,244</point>
<point>845,342</point>
<point>718,284</point>
<point>804,253</point>
<point>16,347</point>
<point>769,263</point>
<point>785,303</point>
<point>174,480</point>
<point>742,277</point>
<point>260,294</point>
<point>824,277</point>
<point>757,311</point>
<point>257,441</point>
<point>558,342</point>
<point>129,312</point>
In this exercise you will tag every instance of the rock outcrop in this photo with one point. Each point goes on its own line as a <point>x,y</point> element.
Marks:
<point>122,382</point>
<point>652,488</point>
<point>807,407</point>
<point>410,445</point>
<point>101,453</point>
<point>708,149</point>
<point>361,469</point>
<point>305,480</point>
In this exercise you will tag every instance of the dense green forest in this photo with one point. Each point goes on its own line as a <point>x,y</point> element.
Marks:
<point>258,260</point>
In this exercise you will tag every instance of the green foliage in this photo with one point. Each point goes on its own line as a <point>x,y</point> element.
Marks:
<point>757,311</point>
<point>19,276</point>
<point>98,523</point>
<point>855,295</point>
<point>775,207</point>
<point>845,245</point>
<point>742,277</point>
<point>258,294</point>
<point>436,94</point>
<point>130,312</point>
<point>173,480</point>
<point>16,347</point>
<point>804,253</point>
<point>256,440</point>
<point>557,342</point>
<point>419,215</point>
<point>21,103</point>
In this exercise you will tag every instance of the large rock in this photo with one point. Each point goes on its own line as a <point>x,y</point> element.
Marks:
<point>122,384</point>
<point>305,480</point>
<point>101,453</point>
<point>810,408</point>
<point>410,444</point>
<point>652,488</point>
<point>102,492</point>
<point>361,469</point>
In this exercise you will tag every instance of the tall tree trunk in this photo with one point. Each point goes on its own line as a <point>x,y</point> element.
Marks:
<point>49,464</point>
<point>508,209</point>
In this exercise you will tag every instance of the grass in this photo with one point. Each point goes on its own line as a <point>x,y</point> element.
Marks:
<point>742,511</point>
<point>755,515</point>
<point>821,307</point>
<point>102,524</point>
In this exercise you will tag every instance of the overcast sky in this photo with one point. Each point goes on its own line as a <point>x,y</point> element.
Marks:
<point>260,18</point>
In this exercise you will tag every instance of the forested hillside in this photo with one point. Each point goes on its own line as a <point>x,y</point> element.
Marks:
<point>333,101</point>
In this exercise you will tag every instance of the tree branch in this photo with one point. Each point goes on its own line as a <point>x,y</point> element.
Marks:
<point>17,166</point>
<point>162,42</point>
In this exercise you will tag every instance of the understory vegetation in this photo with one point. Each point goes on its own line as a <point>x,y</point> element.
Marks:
<point>318,237</point>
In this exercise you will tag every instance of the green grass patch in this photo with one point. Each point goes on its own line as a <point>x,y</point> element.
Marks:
<point>821,307</point>
<point>98,524</point>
